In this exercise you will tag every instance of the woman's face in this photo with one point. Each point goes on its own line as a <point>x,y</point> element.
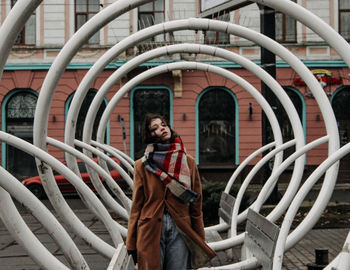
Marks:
<point>159,129</point>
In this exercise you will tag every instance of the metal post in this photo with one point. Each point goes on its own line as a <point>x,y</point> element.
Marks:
<point>321,259</point>
<point>268,63</point>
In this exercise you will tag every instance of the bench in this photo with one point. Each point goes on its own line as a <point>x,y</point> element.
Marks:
<point>260,238</point>
<point>121,260</point>
<point>227,202</point>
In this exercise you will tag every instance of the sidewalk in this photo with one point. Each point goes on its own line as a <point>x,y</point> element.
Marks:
<point>304,251</point>
<point>13,257</point>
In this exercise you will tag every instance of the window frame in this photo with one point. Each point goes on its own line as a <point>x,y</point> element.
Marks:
<point>132,113</point>
<point>340,122</point>
<point>218,34</point>
<point>284,28</point>
<point>87,13</point>
<point>236,119</point>
<point>5,122</point>
<point>22,33</point>
<point>340,11</point>
<point>152,14</point>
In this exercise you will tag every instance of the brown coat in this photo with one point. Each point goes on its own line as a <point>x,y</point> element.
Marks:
<point>145,223</point>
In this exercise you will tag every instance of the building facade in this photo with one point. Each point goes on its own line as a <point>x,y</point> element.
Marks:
<point>220,123</point>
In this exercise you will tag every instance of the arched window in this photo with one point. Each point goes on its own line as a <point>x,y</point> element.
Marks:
<point>147,100</point>
<point>18,109</point>
<point>283,119</point>
<point>340,103</point>
<point>83,112</point>
<point>216,128</point>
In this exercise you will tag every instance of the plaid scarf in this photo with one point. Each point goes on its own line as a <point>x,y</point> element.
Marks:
<point>169,162</point>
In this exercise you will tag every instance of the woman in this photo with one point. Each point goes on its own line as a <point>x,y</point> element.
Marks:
<point>166,227</point>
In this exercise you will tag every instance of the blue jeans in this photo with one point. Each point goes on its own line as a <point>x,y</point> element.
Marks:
<point>173,250</point>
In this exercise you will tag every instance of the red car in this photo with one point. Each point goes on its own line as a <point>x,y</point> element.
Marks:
<point>35,186</point>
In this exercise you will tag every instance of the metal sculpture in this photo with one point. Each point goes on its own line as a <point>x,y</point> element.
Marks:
<point>45,162</point>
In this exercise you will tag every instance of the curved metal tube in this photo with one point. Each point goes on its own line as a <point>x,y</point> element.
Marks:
<point>104,174</point>
<point>174,49</point>
<point>223,225</point>
<point>219,53</point>
<point>315,88</point>
<point>285,241</point>
<point>285,56</point>
<point>196,66</point>
<point>111,55</point>
<point>249,178</point>
<point>112,184</point>
<point>191,65</point>
<point>12,25</point>
<point>321,109</point>
<point>21,232</point>
<point>69,217</point>
<point>42,113</point>
<point>245,162</point>
<point>274,214</point>
<point>193,49</point>
<point>99,67</point>
<point>121,153</point>
<point>227,243</point>
<point>329,121</point>
<point>315,23</point>
<point>112,151</point>
<point>250,263</point>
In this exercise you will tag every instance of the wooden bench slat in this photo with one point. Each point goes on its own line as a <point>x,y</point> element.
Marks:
<point>228,198</point>
<point>269,228</point>
<point>227,202</point>
<point>225,216</point>
<point>226,207</point>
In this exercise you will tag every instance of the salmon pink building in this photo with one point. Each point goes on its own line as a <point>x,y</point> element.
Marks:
<point>219,121</point>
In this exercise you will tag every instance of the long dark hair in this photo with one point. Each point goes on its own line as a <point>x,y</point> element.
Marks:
<point>145,132</point>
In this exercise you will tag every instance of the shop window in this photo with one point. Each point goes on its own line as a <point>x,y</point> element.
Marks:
<point>27,35</point>
<point>216,128</point>
<point>84,10</point>
<point>214,37</point>
<point>150,14</point>
<point>344,19</point>
<point>83,112</point>
<point>145,101</point>
<point>285,28</point>
<point>20,109</point>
